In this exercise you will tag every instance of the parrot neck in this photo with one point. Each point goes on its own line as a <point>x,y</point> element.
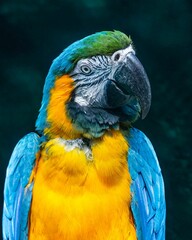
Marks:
<point>92,122</point>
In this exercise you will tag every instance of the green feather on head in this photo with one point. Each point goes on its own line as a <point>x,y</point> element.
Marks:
<point>102,43</point>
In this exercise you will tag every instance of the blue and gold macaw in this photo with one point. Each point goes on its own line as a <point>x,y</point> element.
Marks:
<point>88,174</point>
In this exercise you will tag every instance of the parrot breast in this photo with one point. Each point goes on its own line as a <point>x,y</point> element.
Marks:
<point>76,197</point>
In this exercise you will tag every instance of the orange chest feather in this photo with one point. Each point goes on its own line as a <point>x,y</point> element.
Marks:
<point>57,117</point>
<point>76,197</point>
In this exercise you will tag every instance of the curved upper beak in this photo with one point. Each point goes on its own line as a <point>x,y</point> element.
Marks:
<point>132,79</point>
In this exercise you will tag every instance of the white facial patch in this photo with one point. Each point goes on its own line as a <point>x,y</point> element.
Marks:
<point>128,50</point>
<point>120,55</point>
<point>81,101</point>
<point>91,74</point>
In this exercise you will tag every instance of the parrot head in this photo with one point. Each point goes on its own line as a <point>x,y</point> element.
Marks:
<point>94,85</point>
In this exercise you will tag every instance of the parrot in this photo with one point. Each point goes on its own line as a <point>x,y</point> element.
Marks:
<point>86,172</point>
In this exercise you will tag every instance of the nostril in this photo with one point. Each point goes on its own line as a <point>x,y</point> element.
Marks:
<point>116,57</point>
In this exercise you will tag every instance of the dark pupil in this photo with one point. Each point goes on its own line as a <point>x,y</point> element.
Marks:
<point>86,69</point>
<point>117,56</point>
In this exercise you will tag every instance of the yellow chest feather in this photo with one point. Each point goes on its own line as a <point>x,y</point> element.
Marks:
<point>77,197</point>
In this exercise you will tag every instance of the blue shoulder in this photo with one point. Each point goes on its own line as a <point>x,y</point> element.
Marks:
<point>148,197</point>
<point>17,191</point>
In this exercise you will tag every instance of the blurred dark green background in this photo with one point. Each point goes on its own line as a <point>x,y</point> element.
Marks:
<point>33,33</point>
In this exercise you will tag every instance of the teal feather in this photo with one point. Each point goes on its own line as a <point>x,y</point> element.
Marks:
<point>148,197</point>
<point>17,197</point>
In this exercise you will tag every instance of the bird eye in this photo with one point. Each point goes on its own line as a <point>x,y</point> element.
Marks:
<point>85,69</point>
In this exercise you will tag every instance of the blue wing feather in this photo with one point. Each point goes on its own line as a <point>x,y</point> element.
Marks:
<point>17,195</point>
<point>148,197</point>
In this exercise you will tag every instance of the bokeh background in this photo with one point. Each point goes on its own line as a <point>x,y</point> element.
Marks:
<point>33,33</point>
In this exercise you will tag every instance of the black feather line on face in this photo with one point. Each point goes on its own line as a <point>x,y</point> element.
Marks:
<point>91,121</point>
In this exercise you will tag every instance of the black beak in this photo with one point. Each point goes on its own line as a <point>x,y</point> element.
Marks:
<point>131,79</point>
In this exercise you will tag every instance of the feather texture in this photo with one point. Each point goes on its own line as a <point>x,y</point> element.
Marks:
<point>148,197</point>
<point>101,43</point>
<point>18,191</point>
